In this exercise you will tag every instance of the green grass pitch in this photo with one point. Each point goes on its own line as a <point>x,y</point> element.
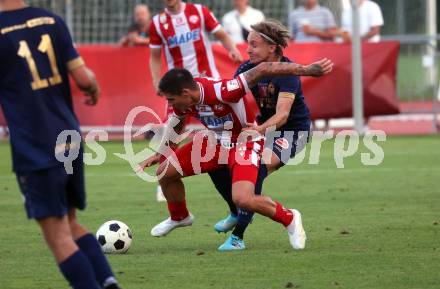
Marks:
<point>368,227</point>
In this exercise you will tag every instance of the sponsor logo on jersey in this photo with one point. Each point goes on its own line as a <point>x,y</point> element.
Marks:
<point>212,121</point>
<point>282,143</point>
<point>232,85</point>
<point>193,19</point>
<point>183,38</point>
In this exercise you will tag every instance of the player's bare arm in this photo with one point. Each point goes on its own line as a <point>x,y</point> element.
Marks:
<point>86,81</point>
<point>155,66</point>
<point>284,105</point>
<point>316,69</point>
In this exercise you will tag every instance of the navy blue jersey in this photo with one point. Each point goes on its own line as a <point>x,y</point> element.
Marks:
<point>266,94</point>
<point>36,54</point>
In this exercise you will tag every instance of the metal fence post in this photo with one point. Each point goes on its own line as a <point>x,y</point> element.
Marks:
<point>356,57</point>
<point>290,5</point>
<point>68,10</point>
<point>431,24</point>
<point>401,17</point>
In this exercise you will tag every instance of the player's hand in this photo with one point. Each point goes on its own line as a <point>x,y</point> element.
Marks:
<point>91,90</point>
<point>235,56</point>
<point>319,68</point>
<point>151,161</point>
<point>92,96</point>
<point>253,127</point>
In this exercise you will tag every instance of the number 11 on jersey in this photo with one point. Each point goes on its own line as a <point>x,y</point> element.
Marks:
<point>45,47</point>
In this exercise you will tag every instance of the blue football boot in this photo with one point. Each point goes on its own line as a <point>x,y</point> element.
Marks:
<point>226,224</point>
<point>232,243</point>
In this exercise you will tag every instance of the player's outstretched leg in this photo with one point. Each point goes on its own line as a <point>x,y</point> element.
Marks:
<point>88,244</point>
<point>174,192</point>
<point>73,263</point>
<point>242,193</point>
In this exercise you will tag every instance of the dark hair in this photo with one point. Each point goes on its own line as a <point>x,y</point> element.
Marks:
<point>275,31</point>
<point>175,80</point>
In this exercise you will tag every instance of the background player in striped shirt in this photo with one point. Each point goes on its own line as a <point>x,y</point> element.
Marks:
<point>180,30</point>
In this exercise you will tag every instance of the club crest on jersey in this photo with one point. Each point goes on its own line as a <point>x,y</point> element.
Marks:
<point>193,19</point>
<point>219,107</point>
<point>183,38</point>
<point>166,26</point>
<point>232,85</point>
<point>179,21</point>
<point>282,143</point>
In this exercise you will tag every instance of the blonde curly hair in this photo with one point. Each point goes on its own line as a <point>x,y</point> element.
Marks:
<point>273,32</point>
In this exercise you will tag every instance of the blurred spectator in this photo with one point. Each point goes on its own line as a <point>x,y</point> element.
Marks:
<point>371,20</point>
<point>312,23</point>
<point>237,23</point>
<point>138,32</point>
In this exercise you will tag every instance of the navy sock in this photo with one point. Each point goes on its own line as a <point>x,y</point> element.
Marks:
<point>91,248</point>
<point>244,219</point>
<point>79,272</point>
<point>223,183</point>
<point>244,216</point>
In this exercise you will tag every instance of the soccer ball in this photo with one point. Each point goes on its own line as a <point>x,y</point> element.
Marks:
<point>114,237</point>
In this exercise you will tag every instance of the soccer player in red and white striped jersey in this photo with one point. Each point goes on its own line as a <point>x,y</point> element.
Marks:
<point>181,30</point>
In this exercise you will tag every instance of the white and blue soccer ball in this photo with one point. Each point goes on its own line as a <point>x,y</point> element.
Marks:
<point>115,237</point>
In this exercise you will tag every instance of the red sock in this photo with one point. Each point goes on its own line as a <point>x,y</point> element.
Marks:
<point>282,215</point>
<point>178,210</point>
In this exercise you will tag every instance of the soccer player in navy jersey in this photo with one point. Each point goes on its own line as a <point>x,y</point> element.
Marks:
<point>282,106</point>
<point>36,56</point>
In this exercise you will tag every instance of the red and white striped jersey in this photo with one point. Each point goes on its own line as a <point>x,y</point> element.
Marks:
<point>223,106</point>
<point>184,39</point>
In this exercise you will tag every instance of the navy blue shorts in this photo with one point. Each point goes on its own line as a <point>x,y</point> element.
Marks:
<point>288,144</point>
<point>52,192</point>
